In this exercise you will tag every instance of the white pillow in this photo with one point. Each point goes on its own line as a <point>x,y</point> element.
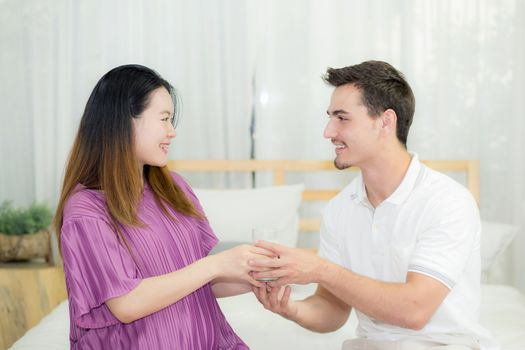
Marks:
<point>495,238</point>
<point>234,213</point>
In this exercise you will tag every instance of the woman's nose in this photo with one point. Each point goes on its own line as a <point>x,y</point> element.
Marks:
<point>172,132</point>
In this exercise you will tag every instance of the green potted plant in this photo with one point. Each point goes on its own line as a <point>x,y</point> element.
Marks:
<point>24,232</point>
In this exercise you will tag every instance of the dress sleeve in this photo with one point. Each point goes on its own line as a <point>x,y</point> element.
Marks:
<point>97,268</point>
<point>209,239</point>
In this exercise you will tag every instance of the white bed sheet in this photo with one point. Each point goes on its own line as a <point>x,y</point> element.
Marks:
<point>503,312</point>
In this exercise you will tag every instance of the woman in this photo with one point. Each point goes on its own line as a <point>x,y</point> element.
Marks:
<point>133,236</point>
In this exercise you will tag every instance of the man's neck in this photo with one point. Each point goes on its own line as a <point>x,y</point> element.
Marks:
<point>383,175</point>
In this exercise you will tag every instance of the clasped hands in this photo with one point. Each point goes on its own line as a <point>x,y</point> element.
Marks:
<point>287,266</point>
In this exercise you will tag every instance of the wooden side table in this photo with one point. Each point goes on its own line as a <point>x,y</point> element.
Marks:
<point>28,292</point>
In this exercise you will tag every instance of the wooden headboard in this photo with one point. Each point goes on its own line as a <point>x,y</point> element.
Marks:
<point>28,292</point>
<point>279,169</point>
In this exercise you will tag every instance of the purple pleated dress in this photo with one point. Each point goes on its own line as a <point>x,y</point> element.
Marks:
<point>98,267</point>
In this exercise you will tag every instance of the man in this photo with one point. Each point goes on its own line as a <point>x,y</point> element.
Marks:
<point>400,245</point>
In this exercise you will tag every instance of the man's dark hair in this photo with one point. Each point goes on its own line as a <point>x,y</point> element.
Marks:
<point>382,87</point>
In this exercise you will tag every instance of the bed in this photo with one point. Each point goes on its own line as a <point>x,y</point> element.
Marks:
<point>294,209</point>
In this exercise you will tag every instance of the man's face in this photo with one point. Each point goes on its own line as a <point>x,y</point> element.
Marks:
<point>354,133</point>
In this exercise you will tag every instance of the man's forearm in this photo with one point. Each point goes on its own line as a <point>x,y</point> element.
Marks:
<point>407,305</point>
<point>321,312</point>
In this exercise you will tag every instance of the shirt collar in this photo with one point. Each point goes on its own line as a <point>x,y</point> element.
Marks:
<point>402,191</point>
<point>360,192</point>
<point>409,181</point>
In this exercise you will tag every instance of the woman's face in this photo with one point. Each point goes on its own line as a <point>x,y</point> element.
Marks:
<point>154,130</point>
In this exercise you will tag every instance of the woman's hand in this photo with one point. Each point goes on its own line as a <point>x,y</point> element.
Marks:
<point>233,263</point>
<point>294,266</point>
<point>277,299</point>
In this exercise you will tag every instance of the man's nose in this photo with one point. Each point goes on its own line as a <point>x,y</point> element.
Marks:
<point>329,130</point>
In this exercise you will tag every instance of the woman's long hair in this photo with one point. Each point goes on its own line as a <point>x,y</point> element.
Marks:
<point>103,156</point>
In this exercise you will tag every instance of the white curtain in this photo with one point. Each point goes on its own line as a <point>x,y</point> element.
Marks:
<point>54,51</point>
<point>464,60</point>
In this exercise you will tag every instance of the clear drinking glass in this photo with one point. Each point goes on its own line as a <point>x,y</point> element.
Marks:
<point>265,234</point>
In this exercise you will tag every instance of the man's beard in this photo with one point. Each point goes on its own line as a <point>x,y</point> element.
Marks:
<point>340,165</point>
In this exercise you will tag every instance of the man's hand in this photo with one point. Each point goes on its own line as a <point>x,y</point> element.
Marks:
<point>277,300</point>
<point>292,265</point>
<point>232,264</point>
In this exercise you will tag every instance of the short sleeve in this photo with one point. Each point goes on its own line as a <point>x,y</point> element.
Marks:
<point>97,268</point>
<point>443,250</point>
<point>329,245</point>
<point>208,238</point>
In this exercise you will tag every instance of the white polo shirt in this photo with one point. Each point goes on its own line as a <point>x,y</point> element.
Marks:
<point>429,225</point>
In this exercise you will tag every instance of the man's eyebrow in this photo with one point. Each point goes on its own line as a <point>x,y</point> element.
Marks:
<point>337,112</point>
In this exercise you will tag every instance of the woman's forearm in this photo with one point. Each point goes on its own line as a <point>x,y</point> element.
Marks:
<point>155,293</point>
<point>226,288</point>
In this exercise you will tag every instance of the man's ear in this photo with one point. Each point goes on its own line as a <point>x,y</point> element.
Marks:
<point>388,122</point>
